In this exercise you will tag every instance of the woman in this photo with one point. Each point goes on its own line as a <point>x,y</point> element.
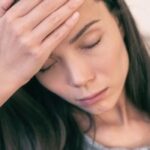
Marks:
<point>95,85</point>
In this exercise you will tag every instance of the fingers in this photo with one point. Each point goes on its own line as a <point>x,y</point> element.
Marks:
<point>49,32</point>
<point>4,6</point>
<point>41,12</point>
<point>53,40</point>
<point>22,7</point>
<point>56,19</point>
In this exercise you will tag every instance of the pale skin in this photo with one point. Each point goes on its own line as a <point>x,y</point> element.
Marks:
<point>30,40</point>
<point>79,71</point>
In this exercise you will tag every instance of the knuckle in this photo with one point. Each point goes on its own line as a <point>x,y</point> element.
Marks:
<point>34,53</point>
<point>31,49</point>
<point>56,19</point>
<point>17,30</point>
<point>16,26</point>
<point>58,35</point>
<point>20,25</point>
<point>31,52</point>
<point>25,41</point>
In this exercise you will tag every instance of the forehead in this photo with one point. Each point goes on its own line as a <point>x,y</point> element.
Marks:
<point>89,11</point>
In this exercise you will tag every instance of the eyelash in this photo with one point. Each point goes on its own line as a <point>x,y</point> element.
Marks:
<point>92,45</point>
<point>86,47</point>
<point>47,68</point>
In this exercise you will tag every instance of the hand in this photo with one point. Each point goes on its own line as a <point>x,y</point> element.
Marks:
<point>28,37</point>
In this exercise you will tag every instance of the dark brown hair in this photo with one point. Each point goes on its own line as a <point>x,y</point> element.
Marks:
<point>36,119</point>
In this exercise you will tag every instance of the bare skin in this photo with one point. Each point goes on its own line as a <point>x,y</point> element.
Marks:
<point>30,40</point>
<point>118,123</point>
<point>123,126</point>
<point>79,71</point>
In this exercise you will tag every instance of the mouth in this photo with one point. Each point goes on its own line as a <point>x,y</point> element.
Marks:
<point>94,98</point>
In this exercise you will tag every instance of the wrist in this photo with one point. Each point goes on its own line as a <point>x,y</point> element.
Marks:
<point>7,89</point>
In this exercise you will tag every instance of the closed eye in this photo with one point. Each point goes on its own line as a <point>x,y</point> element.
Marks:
<point>44,69</point>
<point>90,46</point>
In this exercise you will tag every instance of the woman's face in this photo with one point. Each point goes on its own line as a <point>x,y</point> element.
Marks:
<point>89,68</point>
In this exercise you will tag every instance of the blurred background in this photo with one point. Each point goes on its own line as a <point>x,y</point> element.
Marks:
<point>141,12</point>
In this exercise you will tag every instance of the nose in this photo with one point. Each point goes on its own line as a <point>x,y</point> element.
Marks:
<point>80,73</point>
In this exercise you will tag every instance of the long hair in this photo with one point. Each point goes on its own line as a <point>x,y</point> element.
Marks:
<point>36,119</point>
<point>138,79</point>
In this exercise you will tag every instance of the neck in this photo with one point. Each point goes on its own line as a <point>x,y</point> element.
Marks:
<point>121,115</point>
<point>116,116</point>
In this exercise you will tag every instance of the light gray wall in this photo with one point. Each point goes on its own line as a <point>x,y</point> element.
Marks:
<point>141,11</point>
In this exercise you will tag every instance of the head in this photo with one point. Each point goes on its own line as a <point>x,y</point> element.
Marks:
<point>95,57</point>
<point>95,61</point>
<point>109,56</point>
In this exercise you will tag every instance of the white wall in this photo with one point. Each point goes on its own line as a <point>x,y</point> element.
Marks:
<point>141,11</point>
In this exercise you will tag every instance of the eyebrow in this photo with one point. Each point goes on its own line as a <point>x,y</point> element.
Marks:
<point>82,31</point>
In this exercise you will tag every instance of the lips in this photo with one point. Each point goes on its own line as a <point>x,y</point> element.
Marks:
<point>89,100</point>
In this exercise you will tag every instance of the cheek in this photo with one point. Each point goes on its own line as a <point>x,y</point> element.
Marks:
<point>55,82</point>
<point>117,65</point>
<point>51,80</point>
<point>111,61</point>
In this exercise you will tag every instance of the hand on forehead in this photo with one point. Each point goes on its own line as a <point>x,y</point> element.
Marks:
<point>89,11</point>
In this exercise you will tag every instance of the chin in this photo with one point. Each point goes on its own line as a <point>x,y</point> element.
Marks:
<point>102,108</point>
